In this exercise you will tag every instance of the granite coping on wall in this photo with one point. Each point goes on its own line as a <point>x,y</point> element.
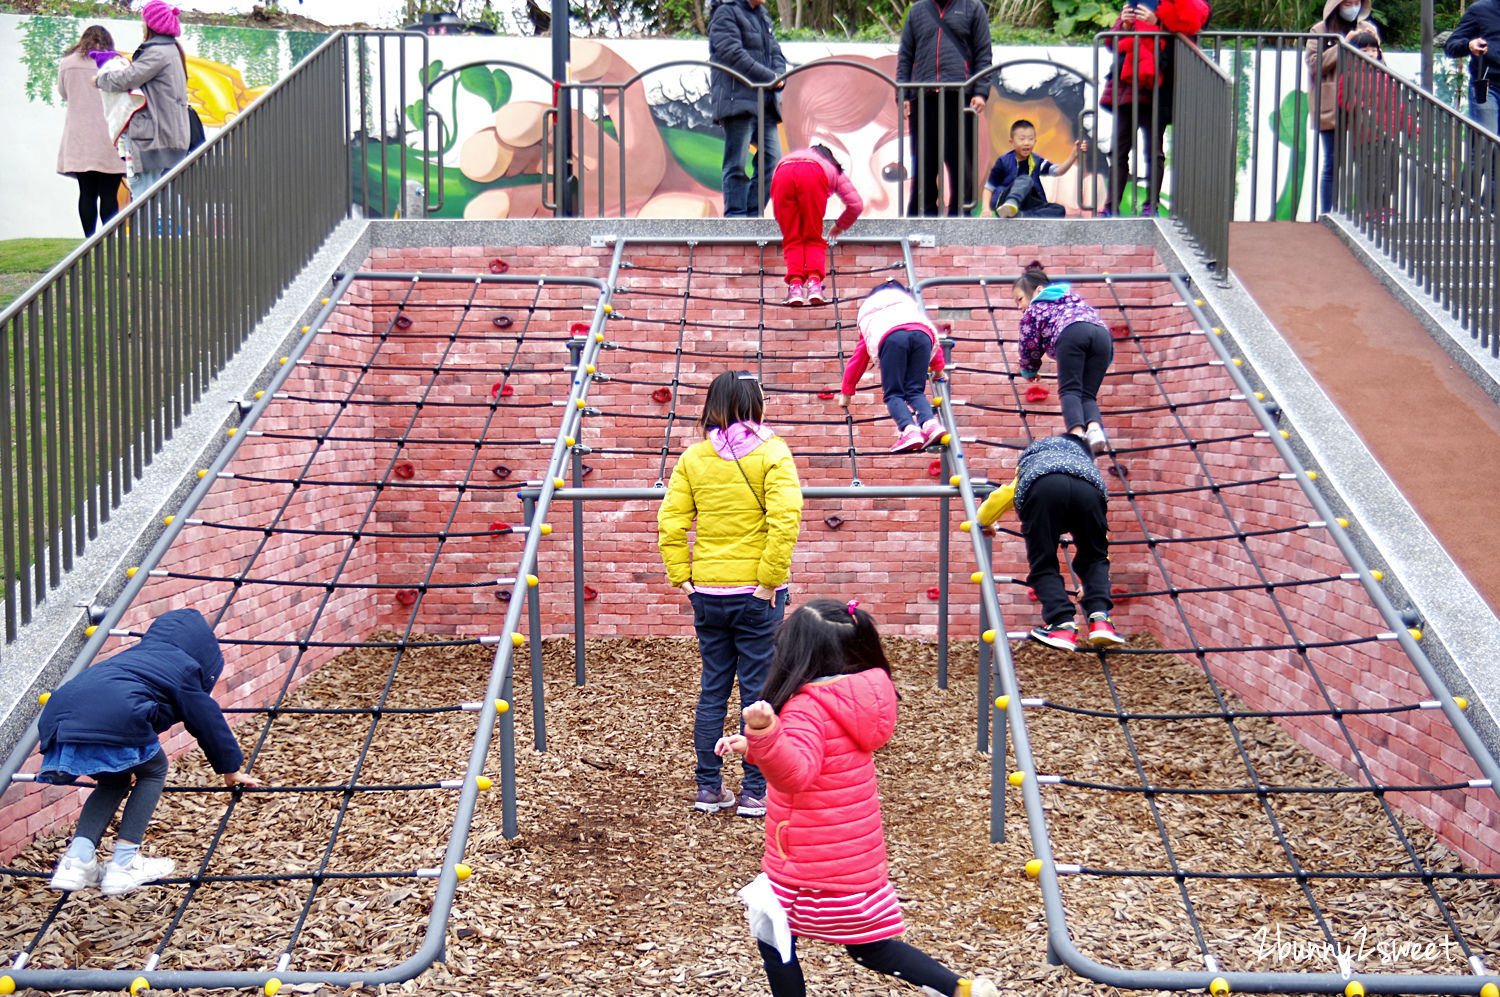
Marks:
<point>1462,638</point>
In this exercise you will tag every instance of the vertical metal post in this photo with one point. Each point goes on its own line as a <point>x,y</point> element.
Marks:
<point>534,626</point>
<point>982,735</point>
<point>578,622</point>
<point>508,761</point>
<point>562,98</point>
<point>997,779</point>
<point>944,518</point>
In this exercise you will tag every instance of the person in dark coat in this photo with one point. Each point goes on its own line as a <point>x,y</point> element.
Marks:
<point>1478,37</point>
<point>104,723</point>
<point>739,38</point>
<point>943,41</point>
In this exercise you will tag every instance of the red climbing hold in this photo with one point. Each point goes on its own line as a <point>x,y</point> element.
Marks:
<point>1036,393</point>
<point>1031,594</point>
<point>501,471</point>
<point>1119,471</point>
<point>935,592</point>
<point>404,470</point>
<point>827,396</point>
<point>498,527</point>
<point>945,328</point>
<point>661,395</point>
<point>578,329</point>
<point>501,322</point>
<point>499,266</point>
<point>503,595</point>
<point>590,593</point>
<point>833,522</point>
<point>406,596</point>
<point>403,321</point>
<point>501,390</point>
<point>586,469</point>
<point>1118,330</point>
<point>936,467</point>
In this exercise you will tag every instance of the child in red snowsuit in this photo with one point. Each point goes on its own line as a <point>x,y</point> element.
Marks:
<point>829,704</point>
<point>799,196</point>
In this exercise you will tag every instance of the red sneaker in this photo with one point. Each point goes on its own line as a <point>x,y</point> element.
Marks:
<point>1063,636</point>
<point>1102,631</point>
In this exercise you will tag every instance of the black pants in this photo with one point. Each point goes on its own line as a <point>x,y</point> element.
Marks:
<point>99,809</point>
<point>1149,113</point>
<point>1031,200</point>
<point>888,956</point>
<point>1084,353</point>
<point>98,198</point>
<point>1057,504</point>
<point>937,122</point>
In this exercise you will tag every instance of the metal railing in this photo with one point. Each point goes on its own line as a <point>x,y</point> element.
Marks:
<point>1203,180</point>
<point>107,353</point>
<point>1417,179</point>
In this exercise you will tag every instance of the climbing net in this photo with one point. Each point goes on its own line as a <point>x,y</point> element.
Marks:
<point>369,494</point>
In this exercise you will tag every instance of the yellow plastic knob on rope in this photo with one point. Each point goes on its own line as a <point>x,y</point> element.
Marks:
<point>598,337</point>
<point>1237,362</point>
<point>954,481</point>
<point>559,482</point>
<point>1198,302</point>
<point>518,639</point>
<point>546,529</point>
<point>1344,523</point>
<point>1016,778</point>
<point>977,577</point>
<point>532,581</point>
<point>231,431</point>
<point>202,472</point>
<point>609,309</point>
<point>168,521</point>
<point>284,360</point>
<point>938,400</point>
<point>1489,990</point>
<point>1217,331</point>
<point>1034,868</point>
<point>139,986</point>
<point>1312,475</point>
<point>592,369</point>
<point>1354,989</point>
<point>259,395</point>
<point>947,439</point>
<point>462,871</point>
<point>1460,702</point>
<point>7,985</point>
<point>579,403</point>
<point>1218,986</point>
<point>1001,702</point>
<point>43,698</point>
<point>1416,633</point>
<point>130,572</point>
<point>1377,574</point>
<point>1260,396</point>
<point>989,636</point>
<point>502,706</point>
<point>484,782</point>
<point>324,301</point>
<point>89,631</point>
<point>965,525</point>
<point>1285,435</point>
<point>272,987</point>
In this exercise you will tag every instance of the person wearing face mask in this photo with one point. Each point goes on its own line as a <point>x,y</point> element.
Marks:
<point>1341,19</point>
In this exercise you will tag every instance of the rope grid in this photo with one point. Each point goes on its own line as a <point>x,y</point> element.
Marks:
<point>998,393</point>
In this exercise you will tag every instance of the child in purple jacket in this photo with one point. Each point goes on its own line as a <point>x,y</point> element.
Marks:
<point>1060,324</point>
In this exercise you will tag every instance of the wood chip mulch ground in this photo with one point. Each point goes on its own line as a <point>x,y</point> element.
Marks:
<point>616,887</point>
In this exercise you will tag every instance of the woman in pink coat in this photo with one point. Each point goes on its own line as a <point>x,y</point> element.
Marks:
<point>829,704</point>
<point>88,152</point>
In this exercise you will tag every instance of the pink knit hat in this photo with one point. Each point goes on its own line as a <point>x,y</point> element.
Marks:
<point>161,18</point>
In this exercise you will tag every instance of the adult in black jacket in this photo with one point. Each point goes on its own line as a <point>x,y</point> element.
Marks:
<point>739,38</point>
<point>104,723</point>
<point>1478,37</point>
<point>943,41</point>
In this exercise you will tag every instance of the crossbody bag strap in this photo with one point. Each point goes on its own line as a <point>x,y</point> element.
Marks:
<point>753,493</point>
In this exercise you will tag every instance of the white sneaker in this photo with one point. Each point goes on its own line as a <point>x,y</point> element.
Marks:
<point>74,874</point>
<point>120,879</point>
<point>1094,437</point>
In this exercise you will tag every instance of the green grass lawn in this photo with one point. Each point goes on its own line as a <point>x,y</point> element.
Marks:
<point>23,261</point>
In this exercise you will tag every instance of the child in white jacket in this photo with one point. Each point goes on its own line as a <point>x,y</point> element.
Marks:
<point>894,328</point>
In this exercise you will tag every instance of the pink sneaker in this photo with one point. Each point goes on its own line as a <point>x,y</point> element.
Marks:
<point>932,432</point>
<point>908,439</point>
<point>815,292</point>
<point>796,294</point>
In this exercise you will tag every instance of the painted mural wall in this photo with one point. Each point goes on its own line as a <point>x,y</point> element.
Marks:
<point>493,95</point>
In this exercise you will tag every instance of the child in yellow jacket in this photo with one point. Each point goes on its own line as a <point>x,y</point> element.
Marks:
<point>740,486</point>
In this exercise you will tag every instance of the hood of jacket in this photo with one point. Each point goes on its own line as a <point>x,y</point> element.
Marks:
<point>739,439</point>
<point>1330,8</point>
<point>1054,291</point>
<point>189,632</point>
<point>862,704</point>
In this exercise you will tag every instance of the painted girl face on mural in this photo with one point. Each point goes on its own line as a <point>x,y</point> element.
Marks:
<point>853,112</point>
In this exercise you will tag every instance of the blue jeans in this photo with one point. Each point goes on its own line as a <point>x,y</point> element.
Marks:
<point>904,356</point>
<point>743,197</point>
<point>1325,181</point>
<point>736,635</point>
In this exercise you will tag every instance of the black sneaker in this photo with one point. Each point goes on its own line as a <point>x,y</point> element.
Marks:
<point>1063,636</point>
<point>751,806</point>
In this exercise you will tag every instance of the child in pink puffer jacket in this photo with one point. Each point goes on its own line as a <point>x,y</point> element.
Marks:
<point>829,704</point>
<point>799,197</point>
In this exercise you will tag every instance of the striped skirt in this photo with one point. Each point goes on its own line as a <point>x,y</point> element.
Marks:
<point>841,918</point>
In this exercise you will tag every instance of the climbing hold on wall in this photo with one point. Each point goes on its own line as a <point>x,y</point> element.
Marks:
<point>935,468</point>
<point>578,329</point>
<point>501,390</point>
<point>499,266</point>
<point>403,321</point>
<point>404,470</point>
<point>499,527</point>
<point>406,597</point>
<point>501,322</point>
<point>1036,393</point>
<point>661,395</point>
<point>833,522</point>
<point>945,328</point>
<point>1031,595</point>
<point>503,595</point>
<point>585,470</point>
<point>827,396</point>
<point>501,471</point>
<point>590,593</point>
<point>1120,471</point>
<point>1119,330</point>
<point>935,592</point>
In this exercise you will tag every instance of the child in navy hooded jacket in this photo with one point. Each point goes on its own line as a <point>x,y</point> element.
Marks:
<point>104,723</point>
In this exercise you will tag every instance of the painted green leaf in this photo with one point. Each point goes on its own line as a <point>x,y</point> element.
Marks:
<point>1289,122</point>
<point>433,71</point>
<point>1290,119</point>
<point>480,82</point>
<point>702,156</point>
<point>416,111</point>
<point>502,88</point>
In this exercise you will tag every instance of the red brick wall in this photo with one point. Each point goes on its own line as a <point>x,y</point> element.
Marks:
<point>1161,395</point>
